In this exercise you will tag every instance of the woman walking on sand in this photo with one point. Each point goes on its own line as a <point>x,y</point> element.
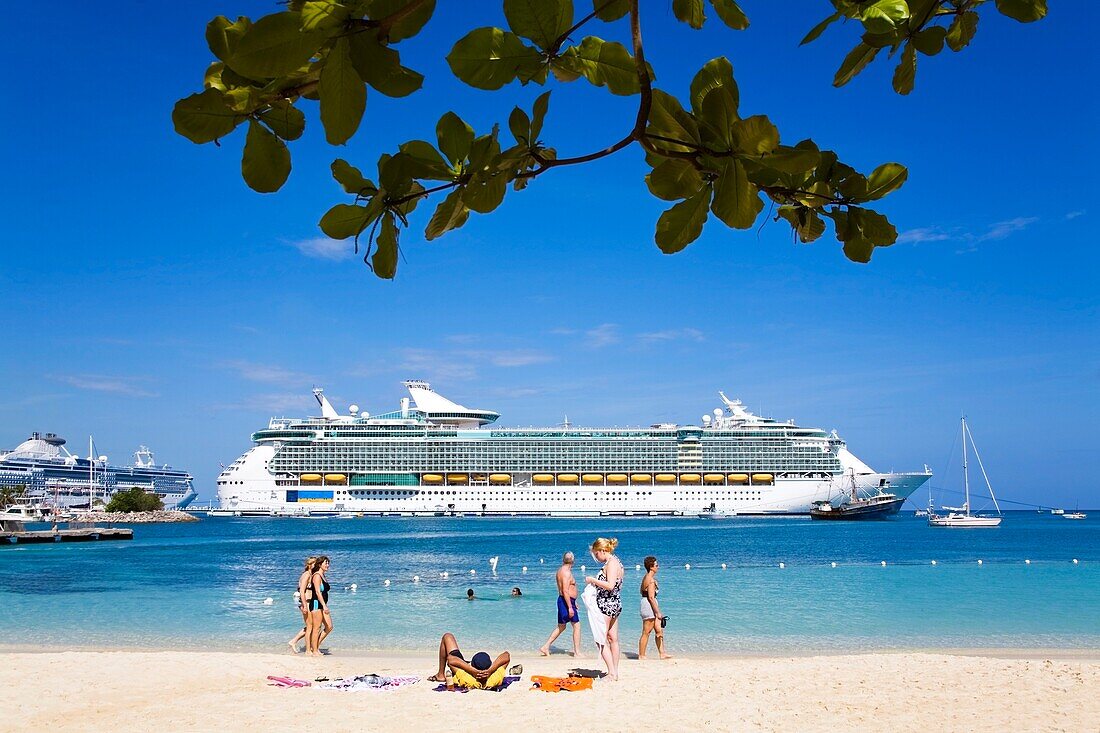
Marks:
<point>609,586</point>
<point>302,599</point>
<point>652,620</point>
<point>320,620</point>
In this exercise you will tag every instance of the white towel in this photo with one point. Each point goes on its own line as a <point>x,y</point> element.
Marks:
<point>596,620</point>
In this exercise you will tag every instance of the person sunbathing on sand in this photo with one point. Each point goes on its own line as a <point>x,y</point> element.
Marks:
<point>480,672</point>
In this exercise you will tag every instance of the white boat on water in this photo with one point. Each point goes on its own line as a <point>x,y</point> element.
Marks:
<point>23,513</point>
<point>1058,512</point>
<point>962,516</point>
<point>1074,515</point>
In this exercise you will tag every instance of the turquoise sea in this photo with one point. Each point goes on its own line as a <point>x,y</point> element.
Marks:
<point>204,584</point>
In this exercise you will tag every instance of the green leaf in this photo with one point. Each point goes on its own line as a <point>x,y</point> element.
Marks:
<point>222,36</point>
<point>489,58</point>
<point>484,194</point>
<point>875,227</point>
<point>806,223</point>
<point>538,114</point>
<point>668,119</point>
<point>690,12</point>
<point>884,179</point>
<point>856,60</point>
<point>930,40</point>
<point>731,14</point>
<point>674,179</point>
<point>450,214</point>
<point>790,160</point>
<point>454,136</point>
<point>265,164</point>
<point>286,120</point>
<point>962,30</point>
<point>343,95</point>
<point>345,220</point>
<point>1025,11</point>
<point>274,46</point>
<point>818,29</point>
<point>884,16</point>
<point>609,10</point>
<point>716,73</point>
<point>384,262</point>
<point>380,66</point>
<point>520,125</point>
<point>323,15</point>
<point>204,117</point>
<point>906,72</point>
<point>718,119</point>
<point>539,21</point>
<point>409,25</point>
<point>736,201</point>
<point>603,63</point>
<point>349,177</point>
<point>755,135</point>
<point>425,161</point>
<point>683,223</point>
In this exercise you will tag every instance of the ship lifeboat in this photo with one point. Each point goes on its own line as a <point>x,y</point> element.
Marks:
<point>500,478</point>
<point>690,478</point>
<point>457,478</point>
<point>543,478</point>
<point>641,478</point>
<point>738,478</point>
<point>761,478</point>
<point>616,478</point>
<point>714,478</point>
<point>592,478</point>
<point>567,478</point>
<point>336,478</point>
<point>666,478</point>
<point>432,478</point>
<point>480,477</point>
<point>310,477</point>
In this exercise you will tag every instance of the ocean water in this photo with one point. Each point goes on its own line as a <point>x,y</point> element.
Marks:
<point>204,584</point>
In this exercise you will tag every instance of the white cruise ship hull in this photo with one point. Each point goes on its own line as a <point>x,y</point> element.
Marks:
<point>248,488</point>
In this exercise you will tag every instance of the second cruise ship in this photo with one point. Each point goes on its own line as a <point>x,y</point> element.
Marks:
<point>433,456</point>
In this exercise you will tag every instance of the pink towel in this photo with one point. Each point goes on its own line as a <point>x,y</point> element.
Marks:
<point>287,682</point>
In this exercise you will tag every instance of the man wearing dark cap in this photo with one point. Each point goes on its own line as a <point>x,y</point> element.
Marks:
<point>480,672</point>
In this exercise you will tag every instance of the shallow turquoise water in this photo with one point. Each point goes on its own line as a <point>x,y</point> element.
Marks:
<point>204,584</point>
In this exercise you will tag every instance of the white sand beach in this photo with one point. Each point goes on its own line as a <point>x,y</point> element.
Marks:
<point>193,690</point>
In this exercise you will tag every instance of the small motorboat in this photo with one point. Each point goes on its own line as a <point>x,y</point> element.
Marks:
<point>713,512</point>
<point>1074,515</point>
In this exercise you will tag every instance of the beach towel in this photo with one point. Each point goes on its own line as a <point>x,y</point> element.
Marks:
<point>368,682</point>
<point>287,682</point>
<point>557,684</point>
<point>458,688</point>
<point>596,620</point>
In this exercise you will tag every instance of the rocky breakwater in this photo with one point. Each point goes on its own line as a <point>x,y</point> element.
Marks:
<point>155,517</point>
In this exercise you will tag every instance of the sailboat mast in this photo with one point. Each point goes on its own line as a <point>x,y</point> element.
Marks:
<point>966,472</point>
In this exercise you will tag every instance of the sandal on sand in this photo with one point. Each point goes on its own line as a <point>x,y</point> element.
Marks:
<point>515,669</point>
<point>437,678</point>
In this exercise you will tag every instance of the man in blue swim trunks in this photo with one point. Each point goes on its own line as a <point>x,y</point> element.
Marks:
<point>567,606</point>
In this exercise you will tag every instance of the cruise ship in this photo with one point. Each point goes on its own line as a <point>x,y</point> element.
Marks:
<point>434,457</point>
<point>49,474</point>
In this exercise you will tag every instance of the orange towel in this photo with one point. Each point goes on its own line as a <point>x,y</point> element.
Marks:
<point>557,684</point>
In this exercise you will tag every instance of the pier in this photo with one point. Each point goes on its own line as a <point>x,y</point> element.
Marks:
<point>87,534</point>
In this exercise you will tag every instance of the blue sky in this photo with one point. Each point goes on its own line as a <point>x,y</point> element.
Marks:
<point>150,297</point>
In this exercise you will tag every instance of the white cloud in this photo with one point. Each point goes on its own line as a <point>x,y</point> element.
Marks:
<point>673,334</point>
<point>323,248</point>
<point>266,373</point>
<point>1002,229</point>
<point>461,364</point>
<point>273,404</point>
<point>1075,214</point>
<point>923,234</point>
<point>603,335</point>
<point>115,385</point>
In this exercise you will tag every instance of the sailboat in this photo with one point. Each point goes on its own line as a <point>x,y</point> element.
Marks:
<point>961,516</point>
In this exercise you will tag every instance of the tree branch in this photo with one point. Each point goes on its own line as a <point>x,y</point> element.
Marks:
<point>553,50</point>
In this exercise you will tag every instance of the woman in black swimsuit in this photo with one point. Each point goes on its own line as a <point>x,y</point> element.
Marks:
<point>651,613</point>
<point>609,586</point>
<point>320,620</point>
<point>302,595</point>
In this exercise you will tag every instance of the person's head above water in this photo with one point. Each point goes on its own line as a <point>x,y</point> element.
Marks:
<point>470,593</point>
<point>516,591</point>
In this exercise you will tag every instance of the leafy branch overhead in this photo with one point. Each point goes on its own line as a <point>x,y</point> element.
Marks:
<point>705,156</point>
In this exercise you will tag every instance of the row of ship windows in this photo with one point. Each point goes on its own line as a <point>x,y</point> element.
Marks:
<point>478,494</point>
